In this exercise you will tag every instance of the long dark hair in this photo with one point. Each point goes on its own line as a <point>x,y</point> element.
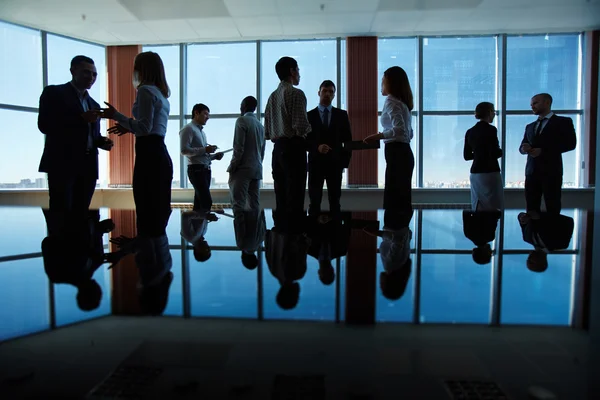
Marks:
<point>399,86</point>
<point>151,71</point>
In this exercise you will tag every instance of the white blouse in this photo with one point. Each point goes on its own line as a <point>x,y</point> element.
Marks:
<point>396,121</point>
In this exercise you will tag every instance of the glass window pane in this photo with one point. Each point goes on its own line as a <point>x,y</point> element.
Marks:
<point>21,56</point>
<point>544,63</point>
<point>400,52</point>
<point>344,75</point>
<point>454,289</point>
<point>443,145</point>
<point>381,156</point>
<point>515,161</point>
<point>223,287</point>
<point>443,230</point>
<point>21,150</point>
<point>60,53</point>
<point>29,309</point>
<point>537,298</point>
<point>172,143</point>
<point>214,76</point>
<point>170,59</point>
<point>316,60</point>
<point>458,73</point>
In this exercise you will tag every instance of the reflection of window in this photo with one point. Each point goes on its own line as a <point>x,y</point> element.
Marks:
<point>21,150</point>
<point>220,76</point>
<point>397,52</point>
<point>515,161</point>
<point>317,61</point>
<point>443,144</point>
<point>458,73</point>
<point>170,59</point>
<point>20,65</point>
<point>175,302</point>
<point>541,63</point>
<point>443,230</point>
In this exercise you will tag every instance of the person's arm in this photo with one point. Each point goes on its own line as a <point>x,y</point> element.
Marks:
<point>263,146</point>
<point>239,139</point>
<point>524,142</point>
<point>268,117</point>
<point>467,150</point>
<point>47,121</point>
<point>186,135</point>
<point>311,138</point>
<point>568,139</point>
<point>145,100</point>
<point>497,150</point>
<point>300,124</point>
<point>346,136</point>
<point>397,116</point>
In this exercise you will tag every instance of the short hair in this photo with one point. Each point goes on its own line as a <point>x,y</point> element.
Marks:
<point>327,83</point>
<point>399,86</point>
<point>198,108</point>
<point>152,71</point>
<point>250,103</point>
<point>546,96</point>
<point>283,67</point>
<point>80,59</point>
<point>483,109</point>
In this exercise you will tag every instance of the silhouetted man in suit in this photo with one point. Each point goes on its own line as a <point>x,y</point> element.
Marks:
<point>329,235</point>
<point>480,228</point>
<point>547,232</point>
<point>544,142</point>
<point>68,116</point>
<point>326,156</point>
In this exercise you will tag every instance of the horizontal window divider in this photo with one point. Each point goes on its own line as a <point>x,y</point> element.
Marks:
<point>18,108</point>
<point>17,257</point>
<point>528,112</point>
<point>175,117</point>
<point>75,39</point>
<point>218,116</point>
<point>449,113</point>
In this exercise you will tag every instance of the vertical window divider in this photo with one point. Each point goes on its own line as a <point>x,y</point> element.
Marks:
<point>182,108</point>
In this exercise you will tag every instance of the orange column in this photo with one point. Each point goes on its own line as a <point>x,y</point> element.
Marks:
<point>125,274</point>
<point>362,106</point>
<point>121,94</point>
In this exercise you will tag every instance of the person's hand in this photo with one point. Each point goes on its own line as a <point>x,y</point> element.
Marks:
<point>123,243</point>
<point>219,156</point>
<point>106,144</point>
<point>525,147</point>
<point>212,217</point>
<point>118,130</point>
<point>113,258</point>
<point>370,231</point>
<point>108,112</point>
<point>91,116</point>
<point>211,149</point>
<point>534,152</point>
<point>323,149</point>
<point>373,138</point>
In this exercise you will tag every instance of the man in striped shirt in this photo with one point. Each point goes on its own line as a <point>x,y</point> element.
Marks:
<point>286,125</point>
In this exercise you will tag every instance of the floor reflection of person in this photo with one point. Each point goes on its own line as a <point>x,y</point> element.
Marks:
<point>480,228</point>
<point>73,251</point>
<point>546,232</point>
<point>286,246</point>
<point>395,253</point>
<point>194,225</point>
<point>250,229</point>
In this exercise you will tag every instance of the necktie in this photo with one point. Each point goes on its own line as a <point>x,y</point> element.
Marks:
<point>539,127</point>
<point>326,117</point>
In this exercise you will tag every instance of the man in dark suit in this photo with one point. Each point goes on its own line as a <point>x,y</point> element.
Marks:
<point>68,116</point>
<point>544,142</point>
<point>326,156</point>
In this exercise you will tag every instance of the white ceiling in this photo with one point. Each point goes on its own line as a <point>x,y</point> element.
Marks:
<point>119,22</point>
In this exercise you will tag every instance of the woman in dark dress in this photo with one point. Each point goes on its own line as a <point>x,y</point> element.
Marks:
<point>481,146</point>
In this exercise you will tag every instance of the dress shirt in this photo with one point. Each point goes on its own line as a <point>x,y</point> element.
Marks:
<point>83,96</point>
<point>151,113</point>
<point>193,226</point>
<point>395,248</point>
<point>396,121</point>
<point>322,111</point>
<point>544,121</point>
<point>285,114</point>
<point>192,140</point>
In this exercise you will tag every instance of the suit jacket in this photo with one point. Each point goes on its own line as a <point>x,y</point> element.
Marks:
<point>554,230</point>
<point>248,148</point>
<point>481,146</point>
<point>330,239</point>
<point>66,131</point>
<point>480,226</point>
<point>557,137</point>
<point>334,135</point>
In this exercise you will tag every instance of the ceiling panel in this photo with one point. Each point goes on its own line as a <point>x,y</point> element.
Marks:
<point>267,26</point>
<point>323,24</point>
<point>255,8</point>
<point>214,28</point>
<point>171,30</point>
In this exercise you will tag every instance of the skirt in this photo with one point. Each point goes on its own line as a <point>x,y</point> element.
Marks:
<point>487,193</point>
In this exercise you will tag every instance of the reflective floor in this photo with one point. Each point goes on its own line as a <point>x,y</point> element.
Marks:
<point>359,255</point>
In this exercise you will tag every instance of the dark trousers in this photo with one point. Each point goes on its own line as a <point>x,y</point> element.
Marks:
<point>289,174</point>
<point>318,173</point>
<point>152,179</point>
<point>400,164</point>
<point>69,193</point>
<point>548,186</point>
<point>200,177</point>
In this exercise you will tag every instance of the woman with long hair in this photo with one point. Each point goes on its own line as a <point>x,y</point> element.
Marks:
<point>397,134</point>
<point>153,170</point>
<point>482,146</point>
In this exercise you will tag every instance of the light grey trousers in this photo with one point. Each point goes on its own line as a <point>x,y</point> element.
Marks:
<point>244,193</point>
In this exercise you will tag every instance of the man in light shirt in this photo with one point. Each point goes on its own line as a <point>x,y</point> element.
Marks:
<point>286,125</point>
<point>200,155</point>
<point>245,169</point>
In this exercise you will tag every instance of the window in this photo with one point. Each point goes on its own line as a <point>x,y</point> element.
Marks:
<point>21,56</point>
<point>170,59</point>
<point>397,52</point>
<point>344,74</point>
<point>220,76</point>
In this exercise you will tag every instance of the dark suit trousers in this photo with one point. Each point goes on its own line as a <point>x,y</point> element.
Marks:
<point>289,174</point>
<point>69,193</point>
<point>152,178</point>
<point>549,186</point>
<point>400,164</point>
<point>318,173</point>
<point>200,177</point>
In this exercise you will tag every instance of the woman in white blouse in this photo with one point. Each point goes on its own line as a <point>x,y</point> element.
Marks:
<point>153,170</point>
<point>397,134</point>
